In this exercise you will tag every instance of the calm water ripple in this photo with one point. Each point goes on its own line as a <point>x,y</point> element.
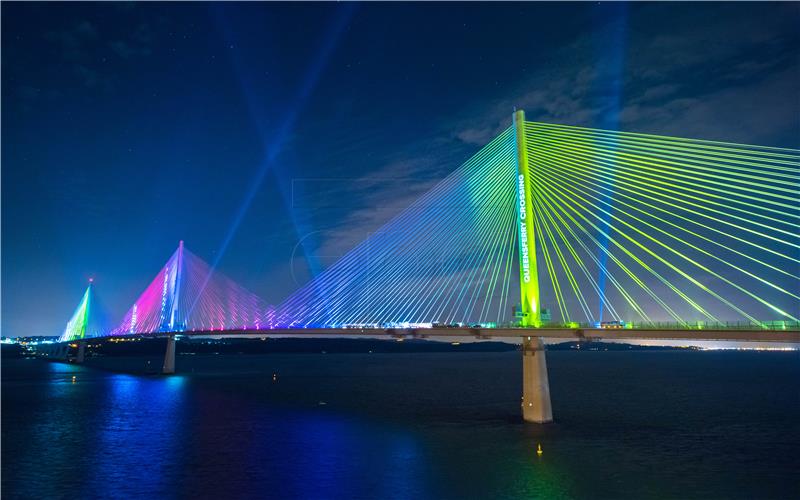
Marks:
<point>629,424</point>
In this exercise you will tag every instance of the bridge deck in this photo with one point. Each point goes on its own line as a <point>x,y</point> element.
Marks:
<point>783,336</point>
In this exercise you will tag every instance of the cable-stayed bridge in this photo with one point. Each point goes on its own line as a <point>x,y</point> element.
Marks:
<point>547,231</point>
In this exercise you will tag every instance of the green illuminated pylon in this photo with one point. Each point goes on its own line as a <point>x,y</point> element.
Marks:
<point>528,276</point>
<point>77,325</point>
<point>86,310</point>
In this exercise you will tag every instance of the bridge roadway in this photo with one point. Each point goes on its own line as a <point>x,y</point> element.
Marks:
<point>582,334</point>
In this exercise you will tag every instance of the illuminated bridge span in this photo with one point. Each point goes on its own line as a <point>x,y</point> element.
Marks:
<point>547,231</point>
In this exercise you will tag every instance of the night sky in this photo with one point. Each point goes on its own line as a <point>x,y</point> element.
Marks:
<point>273,137</point>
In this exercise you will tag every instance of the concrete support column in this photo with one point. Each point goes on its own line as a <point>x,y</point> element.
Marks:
<point>81,352</point>
<point>535,385</point>
<point>169,357</point>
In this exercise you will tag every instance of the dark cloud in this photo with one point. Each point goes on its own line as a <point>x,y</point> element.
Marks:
<point>730,80</point>
<point>84,52</point>
<point>126,50</point>
<point>139,43</point>
<point>75,41</point>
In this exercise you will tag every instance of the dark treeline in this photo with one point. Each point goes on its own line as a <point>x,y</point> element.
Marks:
<point>156,346</point>
<point>288,345</point>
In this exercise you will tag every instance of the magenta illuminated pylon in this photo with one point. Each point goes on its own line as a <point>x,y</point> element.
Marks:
<point>188,295</point>
<point>176,289</point>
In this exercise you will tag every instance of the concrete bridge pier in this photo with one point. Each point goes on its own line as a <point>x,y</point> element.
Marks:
<point>81,356</point>
<point>169,357</point>
<point>61,351</point>
<point>535,385</point>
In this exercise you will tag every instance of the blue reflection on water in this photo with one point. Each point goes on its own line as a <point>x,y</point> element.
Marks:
<point>341,452</point>
<point>138,436</point>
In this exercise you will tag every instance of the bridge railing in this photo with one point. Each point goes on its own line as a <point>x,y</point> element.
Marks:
<point>689,325</point>
<point>430,329</point>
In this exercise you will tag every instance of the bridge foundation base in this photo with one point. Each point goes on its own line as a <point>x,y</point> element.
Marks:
<point>169,357</point>
<point>81,356</point>
<point>535,385</point>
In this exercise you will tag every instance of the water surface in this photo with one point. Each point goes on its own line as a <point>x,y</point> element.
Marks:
<point>670,424</point>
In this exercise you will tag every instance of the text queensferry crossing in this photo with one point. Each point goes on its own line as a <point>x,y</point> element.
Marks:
<point>523,235</point>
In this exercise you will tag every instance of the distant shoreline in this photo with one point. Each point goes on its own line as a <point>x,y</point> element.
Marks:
<point>103,348</point>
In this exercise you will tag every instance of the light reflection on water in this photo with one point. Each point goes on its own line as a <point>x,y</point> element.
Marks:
<point>140,430</point>
<point>402,426</point>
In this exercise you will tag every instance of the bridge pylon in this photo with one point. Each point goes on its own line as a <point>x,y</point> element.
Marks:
<point>528,275</point>
<point>81,356</point>
<point>536,406</point>
<point>168,368</point>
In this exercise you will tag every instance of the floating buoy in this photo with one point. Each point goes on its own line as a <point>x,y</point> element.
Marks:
<point>73,378</point>
<point>539,450</point>
<point>274,377</point>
